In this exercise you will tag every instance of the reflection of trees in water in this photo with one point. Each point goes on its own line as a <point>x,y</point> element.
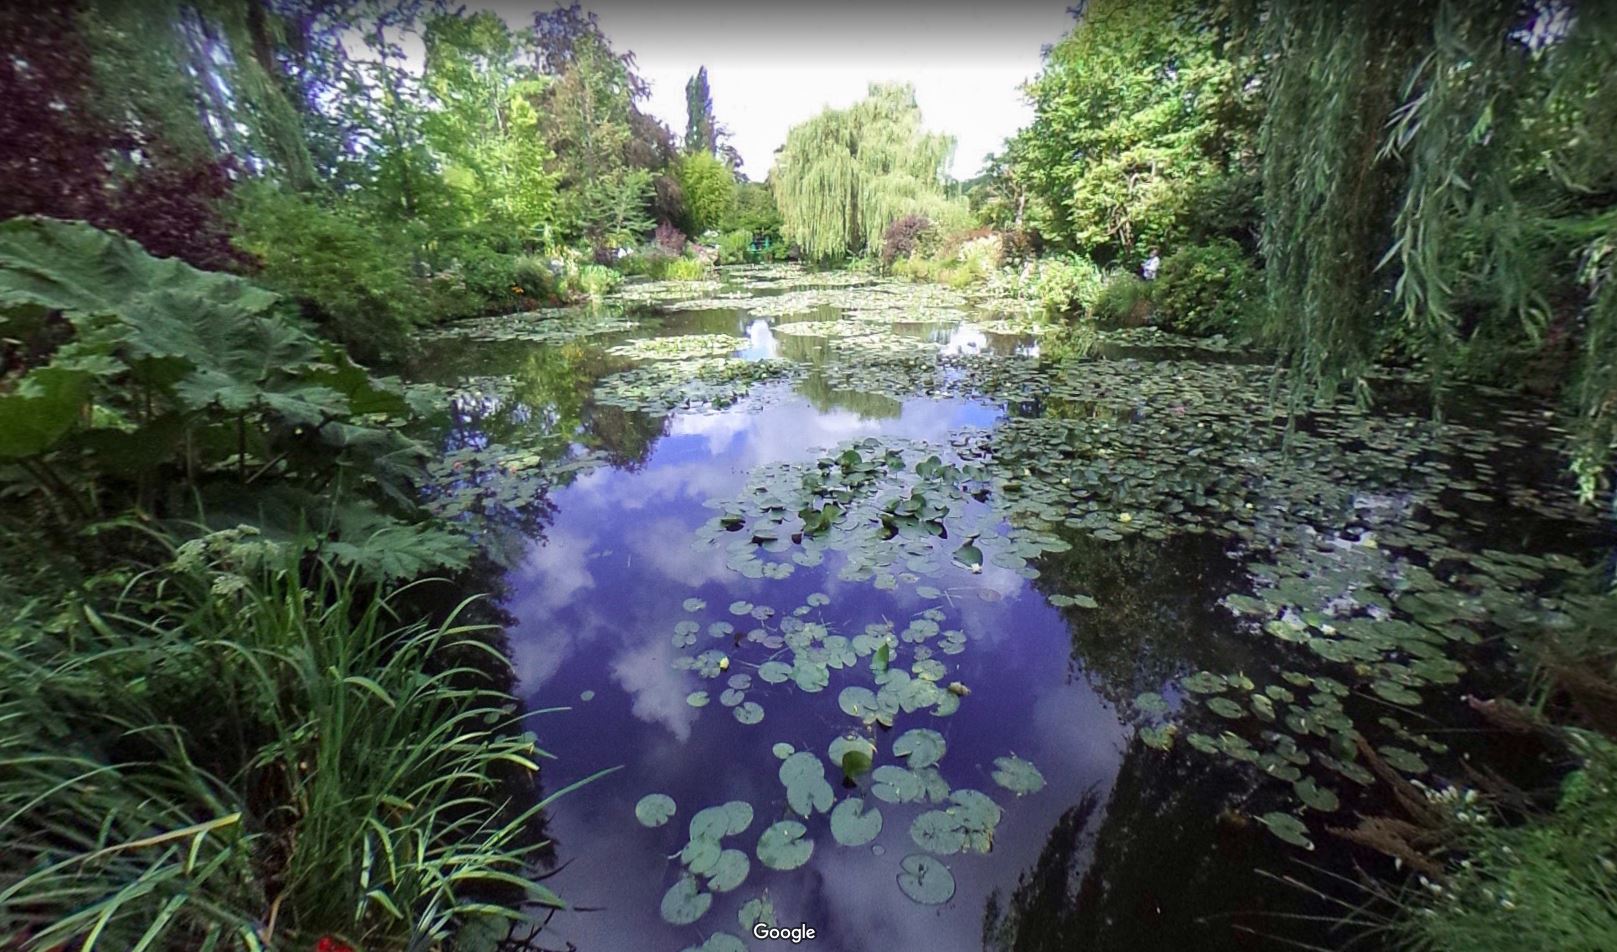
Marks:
<point>1159,615</point>
<point>1158,865</point>
<point>867,406</point>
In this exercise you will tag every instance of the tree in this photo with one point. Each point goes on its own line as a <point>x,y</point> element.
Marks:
<point>602,141</point>
<point>709,189</point>
<point>485,129</point>
<point>1461,155</point>
<point>845,175</point>
<point>700,135</point>
<point>1143,131</point>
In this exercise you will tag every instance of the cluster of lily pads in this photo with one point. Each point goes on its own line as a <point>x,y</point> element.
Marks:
<point>545,326</point>
<point>799,650</point>
<point>701,383</point>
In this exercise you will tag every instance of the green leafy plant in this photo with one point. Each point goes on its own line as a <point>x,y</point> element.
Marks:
<point>1124,300</point>
<point>260,753</point>
<point>1208,289</point>
<point>347,274</point>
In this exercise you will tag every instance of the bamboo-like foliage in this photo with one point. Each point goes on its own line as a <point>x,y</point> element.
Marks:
<point>847,174</point>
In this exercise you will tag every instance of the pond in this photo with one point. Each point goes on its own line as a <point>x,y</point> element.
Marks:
<point>907,626</point>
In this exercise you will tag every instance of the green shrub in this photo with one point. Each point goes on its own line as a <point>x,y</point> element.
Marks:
<point>535,279</point>
<point>1124,299</point>
<point>350,276</point>
<point>595,281</point>
<point>685,269</point>
<point>1065,286</point>
<point>1208,289</point>
<point>1544,884</point>
<point>735,247</point>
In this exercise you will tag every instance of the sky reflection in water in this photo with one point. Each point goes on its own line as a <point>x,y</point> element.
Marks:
<point>595,604</point>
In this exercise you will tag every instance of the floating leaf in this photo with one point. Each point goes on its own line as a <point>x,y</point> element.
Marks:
<point>754,911</point>
<point>719,942</point>
<point>1317,797</point>
<point>1150,703</point>
<point>921,747</point>
<point>696,699</point>
<point>806,788</point>
<point>654,809</point>
<point>938,831</point>
<point>748,713</point>
<point>1224,707</point>
<point>1017,775</point>
<point>694,604</point>
<point>700,855</point>
<point>729,872</point>
<point>1158,738</point>
<point>926,880</point>
<point>783,847</point>
<point>782,750</point>
<point>685,902</point>
<point>852,824</point>
<point>896,785</point>
<point>1288,828</point>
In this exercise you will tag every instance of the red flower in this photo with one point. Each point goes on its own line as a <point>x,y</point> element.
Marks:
<point>331,944</point>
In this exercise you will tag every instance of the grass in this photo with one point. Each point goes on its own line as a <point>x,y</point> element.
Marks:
<point>1550,883</point>
<point>257,758</point>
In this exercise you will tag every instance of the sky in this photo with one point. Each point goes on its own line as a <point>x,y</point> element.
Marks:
<point>772,64</point>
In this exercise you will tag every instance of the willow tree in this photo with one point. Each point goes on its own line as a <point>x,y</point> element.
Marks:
<point>845,175</point>
<point>1438,180</point>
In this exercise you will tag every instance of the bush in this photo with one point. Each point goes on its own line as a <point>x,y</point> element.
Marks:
<point>343,272</point>
<point>535,279</point>
<point>1064,286</point>
<point>1207,289</point>
<point>735,247</point>
<point>595,281</point>
<point>483,278</point>
<point>1124,300</point>
<point>905,237</point>
<point>685,269</point>
<point>980,256</point>
<point>670,239</point>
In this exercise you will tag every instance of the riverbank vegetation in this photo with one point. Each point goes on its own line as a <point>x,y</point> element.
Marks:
<point>222,222</point>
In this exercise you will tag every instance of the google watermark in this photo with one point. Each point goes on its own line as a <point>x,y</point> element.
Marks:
<point>795,935</point>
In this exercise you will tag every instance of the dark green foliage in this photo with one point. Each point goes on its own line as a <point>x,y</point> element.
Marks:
<point>350,276</point>
<point>1139,112</point>
<point>700,134</point>
<point>1208,289</point>
<point>172,384</point>
<point>1124,300</point>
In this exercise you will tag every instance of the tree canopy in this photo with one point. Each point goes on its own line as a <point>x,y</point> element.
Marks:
<point>845,175</point>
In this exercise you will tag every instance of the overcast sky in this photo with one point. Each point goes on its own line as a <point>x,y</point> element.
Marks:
<point>771,65</point>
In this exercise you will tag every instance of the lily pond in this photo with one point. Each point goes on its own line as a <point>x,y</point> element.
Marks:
<point>907,624</point>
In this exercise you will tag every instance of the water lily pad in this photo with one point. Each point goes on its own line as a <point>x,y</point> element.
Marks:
<point>654,809</point>
<point>1317,797</point>
<point>748,713</point>
<point>1017,775</point>
<point>719,942</point>
<point>921,747</point>
<point>938,831</point>
<point>756,910</point>
<point>694,604</point>
<point>774,672</point>
<point>696,699</point>
<point>806,788</point>
<point>782,750</point>
<point>854,825</point>
<point>700,855</point>
<point>729,871</point>
<point>896,785</point>
<point>685,902</point>
<point>1288,828</point>
<point>783,847</point>
<point>740,607</point>
<point>1224,707</point>
<point>926,880</point>
<point>1150,703</point>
